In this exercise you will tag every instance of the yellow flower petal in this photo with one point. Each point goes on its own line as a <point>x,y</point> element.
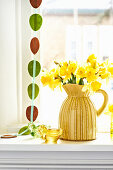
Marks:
<point>80,72</point>
<point>63,71</point>
<point>91,58</point>
<point>72,68</point>
<point>107,113</point>
<point>95,85</point>
<point>110,69</point>
<point>110,108</point>
<point>91,74</point>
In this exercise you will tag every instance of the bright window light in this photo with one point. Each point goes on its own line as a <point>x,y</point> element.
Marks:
<point>72,30</point>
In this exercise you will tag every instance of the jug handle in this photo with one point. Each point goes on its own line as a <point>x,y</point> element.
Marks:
<point>104,103</point>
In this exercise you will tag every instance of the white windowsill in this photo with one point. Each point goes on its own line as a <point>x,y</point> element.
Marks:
<point>27,143</point>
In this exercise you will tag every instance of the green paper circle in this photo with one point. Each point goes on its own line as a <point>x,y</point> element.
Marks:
<point>35,21</point>
<point>30,68</point>
<point>23,129</point>
<point>36,92</point>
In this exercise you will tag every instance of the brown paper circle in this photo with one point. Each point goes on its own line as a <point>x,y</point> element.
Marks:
<point>34,45</point>
<point>8,136</point>
<point>28,113</point>
<point>35,3</point>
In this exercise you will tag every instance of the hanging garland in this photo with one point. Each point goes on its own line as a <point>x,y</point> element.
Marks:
<point>34,69</point>
<point>34,66</point>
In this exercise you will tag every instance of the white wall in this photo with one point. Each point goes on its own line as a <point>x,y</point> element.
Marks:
<point>8,100</point>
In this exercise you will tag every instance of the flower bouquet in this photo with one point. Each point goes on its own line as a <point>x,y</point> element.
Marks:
<point>77,115</point>
<point>90,74</point>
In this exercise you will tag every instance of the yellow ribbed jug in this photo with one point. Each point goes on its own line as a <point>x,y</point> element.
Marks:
<point>77,115</point>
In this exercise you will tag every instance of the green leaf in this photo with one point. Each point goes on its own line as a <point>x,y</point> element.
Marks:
<point>33,134</point>
<point>70,81</point>
<point>81,82</point>
<point>30,68</point>
<point>23,129</point>
<point>73,79</point>
<point>35,21</point>
<point>36,91</point>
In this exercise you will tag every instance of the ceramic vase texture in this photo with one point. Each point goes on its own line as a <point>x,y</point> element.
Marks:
<point>77,116</point>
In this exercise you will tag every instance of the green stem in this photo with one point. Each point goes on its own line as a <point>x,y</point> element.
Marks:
<point>73,79</point>
<point>81,82</point>
<point>60,78</point>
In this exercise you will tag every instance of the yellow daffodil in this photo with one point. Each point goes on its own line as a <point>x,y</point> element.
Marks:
<point>72,68</point>
<point>102,71</point>
<point>110,108</point>
<point>43,80</point>
<point>63,71</point>
<point>94,64</point>
<point>67,76</point>
<point>46,79</point>
<point>109,111</point>
<point>81,72</point>
<point>54,83</point>
<point>95,85</point>
<point>106,75</point>
<point>110,69</point>
<point>90,74</point>
<point>70,72</point>
<point>65,64</point>
<point>91,58</point>
<point>55,72</point>
<point>67,69</point>
<point>102,64</point>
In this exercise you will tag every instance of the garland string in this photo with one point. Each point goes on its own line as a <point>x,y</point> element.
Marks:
<point>33,89</point>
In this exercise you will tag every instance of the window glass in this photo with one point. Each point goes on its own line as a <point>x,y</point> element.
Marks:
<point>72,30</point>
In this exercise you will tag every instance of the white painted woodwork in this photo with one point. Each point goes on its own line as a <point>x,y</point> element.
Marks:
<point>26,153</point>
<point>13,169</point>
<point>48,169</point>
<point>67,169</point>
<point>27,143</point>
